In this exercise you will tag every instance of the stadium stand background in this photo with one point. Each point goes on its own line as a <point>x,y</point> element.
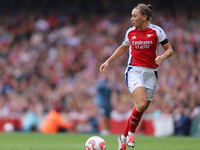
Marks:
<point>59,63</point>
<point>98,6</point>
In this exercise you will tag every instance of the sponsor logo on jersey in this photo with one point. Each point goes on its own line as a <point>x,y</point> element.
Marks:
<point>142,44</point>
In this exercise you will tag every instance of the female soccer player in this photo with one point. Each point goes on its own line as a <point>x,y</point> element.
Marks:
<point>142,40</point>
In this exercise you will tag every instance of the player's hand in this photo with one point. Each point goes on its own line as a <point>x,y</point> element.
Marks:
<point>103,67</point>
<point>159,60</point>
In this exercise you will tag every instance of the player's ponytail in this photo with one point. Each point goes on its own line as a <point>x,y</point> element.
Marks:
<point>150,7</point>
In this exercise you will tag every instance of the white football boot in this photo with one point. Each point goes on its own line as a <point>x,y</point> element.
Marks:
<point>130,141</point>
<point>121,145</point>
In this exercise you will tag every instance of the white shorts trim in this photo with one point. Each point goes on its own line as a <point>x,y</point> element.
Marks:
<point>136,76</point>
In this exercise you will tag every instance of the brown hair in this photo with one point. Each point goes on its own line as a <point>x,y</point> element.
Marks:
<point>145,10</point>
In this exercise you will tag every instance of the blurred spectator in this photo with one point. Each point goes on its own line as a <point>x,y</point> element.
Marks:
<point>30,120</point>
<point>54,123</point>
<point>83,114</point>
<point>182,120</point>
<point>42,24</point>
<point>104,88</point>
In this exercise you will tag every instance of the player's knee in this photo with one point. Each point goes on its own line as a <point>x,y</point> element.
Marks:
<point>142,106</point>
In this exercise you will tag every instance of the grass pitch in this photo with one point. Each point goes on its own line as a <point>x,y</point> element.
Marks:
<point>68,141</point>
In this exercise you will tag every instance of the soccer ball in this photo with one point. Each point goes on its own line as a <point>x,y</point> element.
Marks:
<point>95,143</point>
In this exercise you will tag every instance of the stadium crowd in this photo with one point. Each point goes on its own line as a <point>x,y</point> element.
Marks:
<point>54,59</point>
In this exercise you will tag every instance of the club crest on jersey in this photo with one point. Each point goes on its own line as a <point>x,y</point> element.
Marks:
<point>149,35</point>
<point>134,37</point>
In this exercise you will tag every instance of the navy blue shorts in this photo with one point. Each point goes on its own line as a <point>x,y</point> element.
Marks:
<point>105,111</point>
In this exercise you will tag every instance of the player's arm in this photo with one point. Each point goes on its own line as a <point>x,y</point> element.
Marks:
<point>119,52</point>
<point>168,52</point>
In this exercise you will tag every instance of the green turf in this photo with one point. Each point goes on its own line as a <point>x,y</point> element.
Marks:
<point>66,141</point>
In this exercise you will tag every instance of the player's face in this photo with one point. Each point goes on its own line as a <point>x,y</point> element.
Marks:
<point>137,18</point>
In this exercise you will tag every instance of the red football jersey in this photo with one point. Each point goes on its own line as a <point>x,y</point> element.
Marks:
<point>144,45</point>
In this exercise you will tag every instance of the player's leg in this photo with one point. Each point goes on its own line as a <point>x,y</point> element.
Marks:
<point>142,94</point>
<point>105,120</point>
<point>138,112</point>
<point>133,80</point>
<point>122,139</point>
<point>141,104</point>
<point>103,125</point>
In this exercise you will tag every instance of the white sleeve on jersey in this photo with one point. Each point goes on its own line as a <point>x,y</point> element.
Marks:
<point>126,40</point>
<point>161,34</point>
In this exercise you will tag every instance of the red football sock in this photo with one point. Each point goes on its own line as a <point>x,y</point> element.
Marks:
<point>134,120</point>
<point>126,127</point>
